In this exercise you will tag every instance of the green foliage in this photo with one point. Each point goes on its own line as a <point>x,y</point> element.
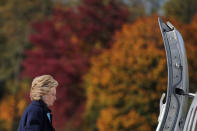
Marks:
<point>15,17</point>
<point>182,10</point>
<point>2,125</point>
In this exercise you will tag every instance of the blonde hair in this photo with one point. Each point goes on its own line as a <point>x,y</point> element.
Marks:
<point>41,85</point>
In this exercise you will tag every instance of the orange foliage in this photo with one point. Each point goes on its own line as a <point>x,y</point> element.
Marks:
<point>6,109</point>
<point>12,106</point>
<point>111,120</point>
<point>128,79</point>
<point>125,83</point>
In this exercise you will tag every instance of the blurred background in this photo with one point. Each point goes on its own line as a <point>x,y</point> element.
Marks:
<point>107,55</point>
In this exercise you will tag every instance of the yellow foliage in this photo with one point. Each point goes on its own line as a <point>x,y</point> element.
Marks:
<point>12,106</point>
<point>111,120</point>
<point>6,108</point>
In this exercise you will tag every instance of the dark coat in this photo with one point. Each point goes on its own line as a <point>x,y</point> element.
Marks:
<point>35,118</point>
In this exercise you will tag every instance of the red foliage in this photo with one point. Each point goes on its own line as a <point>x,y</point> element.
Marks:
<point>93,21</point>
<point>54,53</point>
<point>58,49</point>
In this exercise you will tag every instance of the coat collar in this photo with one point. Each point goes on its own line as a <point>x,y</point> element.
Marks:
<point>41,103</point>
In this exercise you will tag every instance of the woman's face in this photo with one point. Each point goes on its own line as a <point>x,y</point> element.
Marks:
<point>50,98</point>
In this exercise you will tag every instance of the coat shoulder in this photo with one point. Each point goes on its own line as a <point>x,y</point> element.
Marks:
<point>32,117</point>
<point>34,107</point>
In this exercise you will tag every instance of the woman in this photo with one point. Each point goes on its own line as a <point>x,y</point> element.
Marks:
<point>37,115</point>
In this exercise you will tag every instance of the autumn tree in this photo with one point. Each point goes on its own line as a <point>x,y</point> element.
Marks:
<point>95,21</point>
<point>125,83</point>
<point>56,52</point>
